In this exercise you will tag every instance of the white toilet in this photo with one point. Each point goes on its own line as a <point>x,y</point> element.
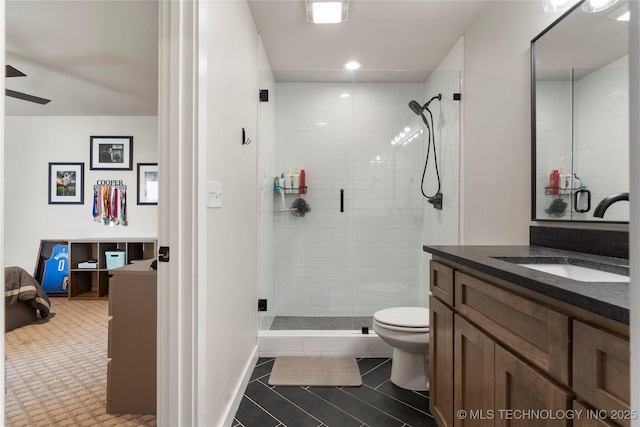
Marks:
<point>406,329</point>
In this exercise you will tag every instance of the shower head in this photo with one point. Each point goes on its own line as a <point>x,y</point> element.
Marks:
<point>415,107</point>
<point>418,109</point>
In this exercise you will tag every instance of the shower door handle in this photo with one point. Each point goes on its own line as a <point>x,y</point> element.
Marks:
<point>342,200</point>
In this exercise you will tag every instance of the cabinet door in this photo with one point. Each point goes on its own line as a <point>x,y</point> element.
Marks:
<point>524,396</point>
<point>601,369</point>
<point>473,375</point>
<point>441,362</point>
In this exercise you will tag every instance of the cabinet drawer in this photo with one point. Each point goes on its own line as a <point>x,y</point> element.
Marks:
<point>601,369</point>
<point>539,334</point>
<point>442,282</point>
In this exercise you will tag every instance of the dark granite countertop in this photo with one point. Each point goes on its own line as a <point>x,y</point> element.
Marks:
<point>608,299</point>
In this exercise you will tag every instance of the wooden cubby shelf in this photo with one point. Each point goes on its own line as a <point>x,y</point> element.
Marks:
<point>93,283</point>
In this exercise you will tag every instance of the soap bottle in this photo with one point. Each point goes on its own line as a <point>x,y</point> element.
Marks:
<point>283,183</point>
<point>296,181</point>
<point>554,182</point>
<point>290,182</point>
<point>276,183</point>
<point>303,182</point>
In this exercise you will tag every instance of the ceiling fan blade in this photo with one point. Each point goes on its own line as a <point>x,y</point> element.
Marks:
<point>13,72</point>
<point>26,97</point>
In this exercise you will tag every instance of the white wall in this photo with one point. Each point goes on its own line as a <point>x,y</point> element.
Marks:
<point>497,132</point>
<point>34,141</point>
<point>232,98</point>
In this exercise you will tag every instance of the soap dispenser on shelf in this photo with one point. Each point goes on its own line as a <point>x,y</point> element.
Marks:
<point>303,182</point>
<point>554,182</point>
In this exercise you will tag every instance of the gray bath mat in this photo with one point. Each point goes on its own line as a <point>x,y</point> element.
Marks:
<point>316,371</point>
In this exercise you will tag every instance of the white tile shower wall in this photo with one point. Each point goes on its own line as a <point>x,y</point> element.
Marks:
<point>597,147</point>
<point>553,137</point>
<point>368,257</point>
<point>602,144</point>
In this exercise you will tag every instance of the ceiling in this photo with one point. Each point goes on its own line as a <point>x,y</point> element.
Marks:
<point>87,57</point>
<point>395,40</point>
<point>100,57</point>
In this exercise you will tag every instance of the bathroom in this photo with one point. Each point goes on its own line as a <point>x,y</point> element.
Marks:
<point>494,167</point>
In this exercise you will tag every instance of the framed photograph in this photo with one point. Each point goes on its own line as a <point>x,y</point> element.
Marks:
<point>111,153</point>
<point>147,183</point>
<point>66,183</point>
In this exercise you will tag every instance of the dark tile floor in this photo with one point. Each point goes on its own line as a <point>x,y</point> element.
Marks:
<point>377,403</point>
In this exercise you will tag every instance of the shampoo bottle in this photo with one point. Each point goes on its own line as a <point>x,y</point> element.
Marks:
<point>282,183</point>
<point>554,182</point>
<point>303,182</point>
<point>296,181</point>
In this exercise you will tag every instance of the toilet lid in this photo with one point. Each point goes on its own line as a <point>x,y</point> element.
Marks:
<point>406,317</point>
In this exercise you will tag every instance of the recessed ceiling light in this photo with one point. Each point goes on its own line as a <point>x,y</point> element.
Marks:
<point>345,95</point>
<point>352,65</point>
<point>327,12</point>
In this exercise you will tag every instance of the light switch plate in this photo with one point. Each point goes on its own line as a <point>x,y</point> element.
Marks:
<point>214,194</point>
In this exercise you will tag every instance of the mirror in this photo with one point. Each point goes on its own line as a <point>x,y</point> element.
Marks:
<point>580,116</point>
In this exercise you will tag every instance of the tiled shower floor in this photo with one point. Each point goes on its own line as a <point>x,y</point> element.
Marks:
<point>320,323</point>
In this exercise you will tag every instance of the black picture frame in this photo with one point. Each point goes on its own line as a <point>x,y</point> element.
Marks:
<point>147,193</point>
<point>66,183</point>
<point>111,153</point>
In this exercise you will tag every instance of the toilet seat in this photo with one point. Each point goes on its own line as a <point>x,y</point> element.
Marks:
<point>415,319</point>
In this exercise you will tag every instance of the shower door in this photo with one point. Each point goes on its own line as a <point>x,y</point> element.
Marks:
<point>359,248</point>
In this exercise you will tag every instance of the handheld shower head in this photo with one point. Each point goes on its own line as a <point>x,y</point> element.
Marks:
<point>415,107</point>
<point>418,109</point>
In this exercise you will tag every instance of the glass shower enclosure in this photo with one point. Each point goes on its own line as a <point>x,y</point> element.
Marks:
<point>348,242</point>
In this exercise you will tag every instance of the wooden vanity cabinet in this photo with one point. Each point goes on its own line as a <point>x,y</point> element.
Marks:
<point>512,353</point>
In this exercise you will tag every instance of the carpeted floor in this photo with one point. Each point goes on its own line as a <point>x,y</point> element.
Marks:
<point>56,370</point>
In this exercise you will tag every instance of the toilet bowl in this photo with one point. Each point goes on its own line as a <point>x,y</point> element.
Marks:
<point>406,329</point>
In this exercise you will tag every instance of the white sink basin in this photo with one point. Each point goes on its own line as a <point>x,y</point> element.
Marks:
<point>576,272</point>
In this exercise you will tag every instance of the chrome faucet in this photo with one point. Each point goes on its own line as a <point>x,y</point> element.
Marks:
<point>608,201</point>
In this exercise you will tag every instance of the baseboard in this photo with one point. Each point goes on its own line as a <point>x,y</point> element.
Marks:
<point>242,386</point>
